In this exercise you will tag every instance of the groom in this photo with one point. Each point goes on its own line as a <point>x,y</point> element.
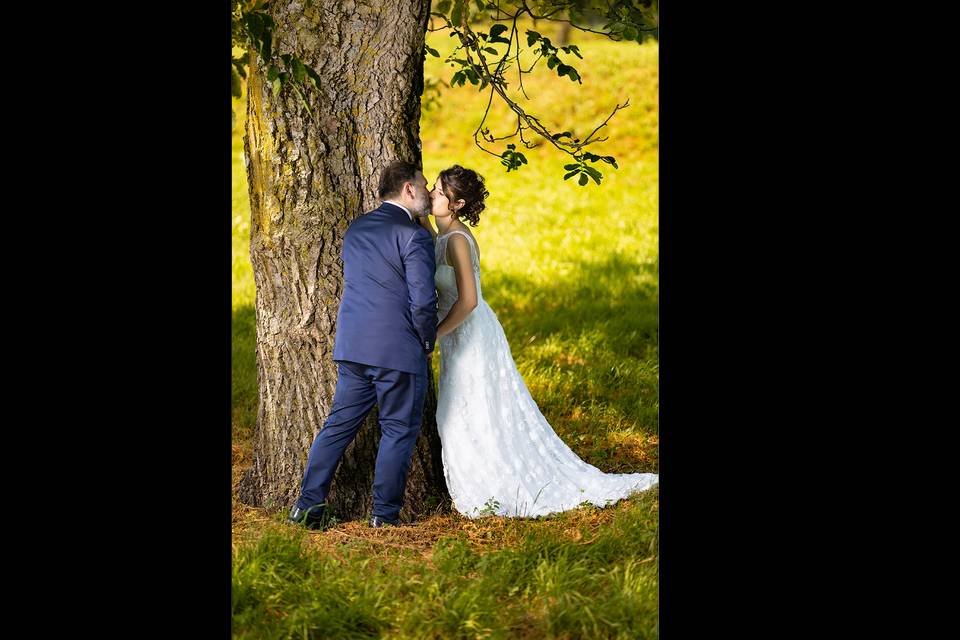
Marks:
<point>386,328</point>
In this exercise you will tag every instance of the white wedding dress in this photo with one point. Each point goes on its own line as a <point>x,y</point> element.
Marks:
<point>500,455</point>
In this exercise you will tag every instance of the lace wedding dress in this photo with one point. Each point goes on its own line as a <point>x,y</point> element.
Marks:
<point>500,455</point>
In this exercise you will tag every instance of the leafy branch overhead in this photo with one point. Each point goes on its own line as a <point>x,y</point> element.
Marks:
<point>481,61</point>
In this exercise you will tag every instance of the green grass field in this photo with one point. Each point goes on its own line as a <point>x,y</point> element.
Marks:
<point>572,273</point>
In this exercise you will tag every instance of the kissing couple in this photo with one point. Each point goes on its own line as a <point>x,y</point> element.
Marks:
<point>407,288</point>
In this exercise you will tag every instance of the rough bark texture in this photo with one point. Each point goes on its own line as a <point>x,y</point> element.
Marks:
<point>310,174</point>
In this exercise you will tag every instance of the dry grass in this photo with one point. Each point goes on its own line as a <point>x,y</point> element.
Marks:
<point>484,535</point>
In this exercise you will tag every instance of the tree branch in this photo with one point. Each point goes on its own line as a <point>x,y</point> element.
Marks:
<point>604,123</point>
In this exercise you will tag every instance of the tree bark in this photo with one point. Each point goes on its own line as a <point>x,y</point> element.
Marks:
<point>311,172</point>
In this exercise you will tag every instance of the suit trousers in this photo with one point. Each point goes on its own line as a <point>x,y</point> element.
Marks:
<point>400,396</point>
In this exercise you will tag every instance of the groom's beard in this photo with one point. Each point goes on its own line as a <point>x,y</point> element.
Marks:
<point>424,209</point>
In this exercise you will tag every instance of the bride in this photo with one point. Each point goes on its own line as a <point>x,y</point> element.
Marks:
<point>500,455</point>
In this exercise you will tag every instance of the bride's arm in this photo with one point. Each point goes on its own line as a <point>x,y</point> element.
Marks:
<point>466,285</point>
<point>424,222</point>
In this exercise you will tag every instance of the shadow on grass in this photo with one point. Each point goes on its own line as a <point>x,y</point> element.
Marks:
<point>586,345</point>
<point>615,298</point>
<point>587,348</point>
<point>243,365</point>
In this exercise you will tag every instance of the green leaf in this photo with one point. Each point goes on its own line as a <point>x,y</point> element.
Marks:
<point>431,51</point>
<point>443,6</point>
<point>241,67</point>
<point>272,73</point>
<point>276,86</point>
<point>552,61</point>
<point>299,71</point>
<point>630,33</point>
<point>576,51</point>
<point>458,79</point>
<point>314,77</point>
<point>562,69</point>
<point>457,14</point>
<point>303,98</point>
<point>574,75</point>
<point>593,172</point>
<point>497,29</point>
<point>234,83</point>
<point>265,52</point>
<point>532,36</point>
<point>562,134</point>
<point>583,179</point>
<point>568,167</point>
<point>254,26</point>
<point>571,174</point>
<point>610,160</point>
<point>491,50</point>
<point>522,158</point>
<point>480,5</point>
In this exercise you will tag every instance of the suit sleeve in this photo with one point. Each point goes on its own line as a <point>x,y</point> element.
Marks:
<point>420,266</point>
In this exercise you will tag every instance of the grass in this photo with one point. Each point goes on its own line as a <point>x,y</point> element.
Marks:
<point>590,573</point>
<point>572,273</point>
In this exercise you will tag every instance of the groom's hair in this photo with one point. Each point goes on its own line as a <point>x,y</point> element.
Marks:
<point>393,177</point>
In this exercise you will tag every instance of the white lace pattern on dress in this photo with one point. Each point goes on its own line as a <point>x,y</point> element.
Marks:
<point>500,455</point>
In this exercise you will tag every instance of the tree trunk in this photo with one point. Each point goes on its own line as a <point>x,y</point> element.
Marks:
<point>310,174</point>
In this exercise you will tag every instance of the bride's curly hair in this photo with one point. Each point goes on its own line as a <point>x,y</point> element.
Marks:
<point>459,182</point>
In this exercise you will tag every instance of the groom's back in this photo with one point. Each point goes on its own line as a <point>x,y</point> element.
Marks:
<point>374,323</point>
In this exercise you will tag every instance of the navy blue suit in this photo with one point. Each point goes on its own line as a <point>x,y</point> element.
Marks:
<point>386,326</point>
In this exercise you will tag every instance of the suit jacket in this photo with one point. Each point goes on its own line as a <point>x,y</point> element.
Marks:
<point>388,312</point>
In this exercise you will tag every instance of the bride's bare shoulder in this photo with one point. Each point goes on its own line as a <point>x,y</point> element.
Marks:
<point>474,238</point>
<point>461,244</point>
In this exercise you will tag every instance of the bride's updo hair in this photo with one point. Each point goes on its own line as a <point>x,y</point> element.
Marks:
<point>467,184</point>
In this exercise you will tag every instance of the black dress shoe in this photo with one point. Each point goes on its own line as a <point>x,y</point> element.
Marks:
<point>377,522</point>
<point>311,517</point>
